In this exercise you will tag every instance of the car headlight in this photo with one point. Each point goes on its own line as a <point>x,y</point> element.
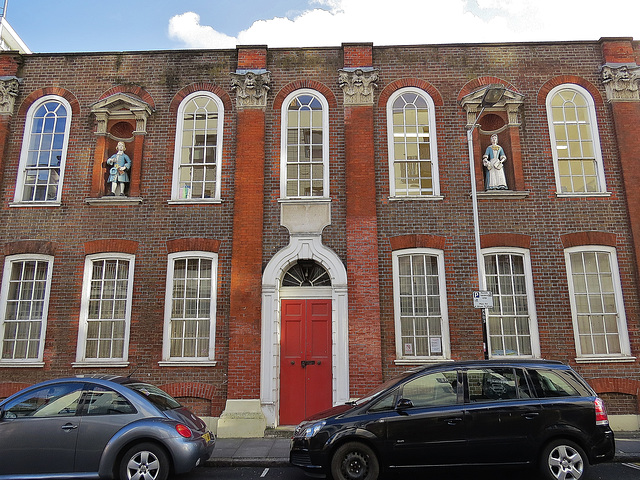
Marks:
<point>313,429</point>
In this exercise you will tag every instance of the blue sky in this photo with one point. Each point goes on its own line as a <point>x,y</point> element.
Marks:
<point>118,25</point>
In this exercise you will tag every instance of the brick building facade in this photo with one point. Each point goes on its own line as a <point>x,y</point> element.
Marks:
<point>297,225</point>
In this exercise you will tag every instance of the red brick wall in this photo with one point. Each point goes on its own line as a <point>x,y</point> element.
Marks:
<point>366,226</point>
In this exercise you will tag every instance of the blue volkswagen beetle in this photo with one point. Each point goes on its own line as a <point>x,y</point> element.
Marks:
<point>99,427</point>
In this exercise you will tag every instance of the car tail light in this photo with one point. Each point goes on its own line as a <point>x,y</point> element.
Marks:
<point>601,412</point>
<point>183,430</point>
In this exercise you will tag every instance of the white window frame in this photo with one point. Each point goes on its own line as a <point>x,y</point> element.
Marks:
<point>24,153</point>
<point>623,333</point>
<point>325,145</point>
<point>81,360</point>
<point>401,358</point>
<point>435,176</point>
<point>597,151</point>
<point>4,294</point>
<point>209,360</point>
<point>531,303</point>
<point>175,188</point>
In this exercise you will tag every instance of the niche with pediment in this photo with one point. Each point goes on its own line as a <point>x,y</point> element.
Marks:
<point>120,117</point>
<point>500,119</point>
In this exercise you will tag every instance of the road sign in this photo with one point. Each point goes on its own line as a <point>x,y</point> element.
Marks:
<point>482,299</point>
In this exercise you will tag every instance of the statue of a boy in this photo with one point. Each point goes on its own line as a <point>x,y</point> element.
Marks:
<point>118,175</point>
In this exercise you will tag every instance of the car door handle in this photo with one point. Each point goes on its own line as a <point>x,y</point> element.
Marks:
<point>453,420</point>
<point>69,426</point>
<point>530,415</point>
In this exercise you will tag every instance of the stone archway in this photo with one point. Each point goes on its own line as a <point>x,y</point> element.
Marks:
<point>302,248</point>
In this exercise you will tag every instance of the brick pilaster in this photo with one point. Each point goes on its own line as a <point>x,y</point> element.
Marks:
<point>246,262</point>
<point>362,235</point>
<point>619,53</point>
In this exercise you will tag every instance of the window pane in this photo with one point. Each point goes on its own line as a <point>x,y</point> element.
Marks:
<point>44,146</point>
<point>573,129</point>
<point>411,141</point>
<point>508,320</point>
<point>199,149</point>
<point>25,309</point>
<point>304,145</point>
<point>420,305</point>
<point>192,310</point>
<point>594,296</point>
<point>108,298</point>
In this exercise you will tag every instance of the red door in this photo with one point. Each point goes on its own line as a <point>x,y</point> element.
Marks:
<point>305,359</point>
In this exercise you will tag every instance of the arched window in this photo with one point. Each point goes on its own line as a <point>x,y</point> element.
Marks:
<point>305,146</point>
<point>575,141</point>
<point>44,151</point>
<point>198,148</point>
<point>413,159</point>
<point>306,273</point>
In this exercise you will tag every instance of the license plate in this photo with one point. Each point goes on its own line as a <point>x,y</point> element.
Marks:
<point>207,437</point>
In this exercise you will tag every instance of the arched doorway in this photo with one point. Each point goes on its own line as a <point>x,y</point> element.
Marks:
<point>305,271</point>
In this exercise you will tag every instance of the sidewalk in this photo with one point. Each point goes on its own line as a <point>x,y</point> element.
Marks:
<point>273,452</point>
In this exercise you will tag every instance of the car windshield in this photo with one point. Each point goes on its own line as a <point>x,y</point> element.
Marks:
<point>158,397</point>
<point>381,388</point>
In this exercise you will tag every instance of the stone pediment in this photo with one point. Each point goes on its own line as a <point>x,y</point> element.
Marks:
<point>121,106</point>
<point>510,102</point>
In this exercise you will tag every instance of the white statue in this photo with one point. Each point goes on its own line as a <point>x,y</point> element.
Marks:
<point>493,160</point>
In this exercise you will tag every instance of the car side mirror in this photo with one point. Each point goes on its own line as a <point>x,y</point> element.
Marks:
<point>1,413</point>
<point>403,404</point>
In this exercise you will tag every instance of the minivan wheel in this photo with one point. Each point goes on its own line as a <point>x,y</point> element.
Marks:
<point>354,461</point>
<point>563,460</point>
<point>145,461</point>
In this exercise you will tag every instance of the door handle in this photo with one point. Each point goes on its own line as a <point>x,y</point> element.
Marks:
<point>67,427</point>
<point>530,415</point>
<point>304,363</point>
<point>453,420</point>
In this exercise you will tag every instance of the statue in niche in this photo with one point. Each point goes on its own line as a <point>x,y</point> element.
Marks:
<point>493,160</point>
<point>118,174</point>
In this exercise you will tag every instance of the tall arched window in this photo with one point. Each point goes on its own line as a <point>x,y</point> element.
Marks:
<point>305,146</point>
<point>198,150</point>
<point>575,141</point>
<point>44,151</point>
<point>413,158</point>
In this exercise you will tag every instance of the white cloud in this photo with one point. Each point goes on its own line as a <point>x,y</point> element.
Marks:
<point>333,22</point>
<point>187,29</point>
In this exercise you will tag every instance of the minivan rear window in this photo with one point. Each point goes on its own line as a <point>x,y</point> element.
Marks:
<point>556,383</point>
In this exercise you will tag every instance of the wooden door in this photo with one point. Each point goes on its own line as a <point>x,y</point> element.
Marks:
<point>305,359</point>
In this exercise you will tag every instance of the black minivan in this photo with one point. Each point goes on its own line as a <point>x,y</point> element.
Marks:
<point>491,412</point>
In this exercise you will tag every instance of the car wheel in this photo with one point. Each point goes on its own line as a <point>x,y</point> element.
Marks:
<point>563,460</point>
<point>354,461</point>
<point>145,461</point>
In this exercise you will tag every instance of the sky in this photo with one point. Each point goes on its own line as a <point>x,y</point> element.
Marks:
<point>51,26</point>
